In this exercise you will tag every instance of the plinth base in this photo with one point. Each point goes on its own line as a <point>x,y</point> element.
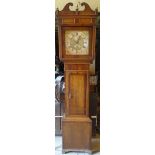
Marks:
<point>72,150</point>
<point>76,134</point>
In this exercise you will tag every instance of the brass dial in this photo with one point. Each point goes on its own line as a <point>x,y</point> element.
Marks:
<point>77,42</point>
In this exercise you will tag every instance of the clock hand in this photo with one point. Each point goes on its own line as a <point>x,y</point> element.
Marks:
<point>78,39</point>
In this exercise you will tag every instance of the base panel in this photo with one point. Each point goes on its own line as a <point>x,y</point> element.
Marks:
<point>76,134</point>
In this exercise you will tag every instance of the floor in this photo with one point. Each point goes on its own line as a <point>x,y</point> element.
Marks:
<point>95,147</point>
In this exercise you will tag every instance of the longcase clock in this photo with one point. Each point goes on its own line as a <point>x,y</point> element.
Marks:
<point>77,37</point>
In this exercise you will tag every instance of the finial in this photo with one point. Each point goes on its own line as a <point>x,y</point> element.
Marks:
<point>96,10</point>
<point>77,8</point>
<point>57,10</point>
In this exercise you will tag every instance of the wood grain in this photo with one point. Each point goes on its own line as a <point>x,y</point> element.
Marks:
<point>76,124</point>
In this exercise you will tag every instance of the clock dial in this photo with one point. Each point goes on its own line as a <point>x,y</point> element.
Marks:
<point>77,42</point>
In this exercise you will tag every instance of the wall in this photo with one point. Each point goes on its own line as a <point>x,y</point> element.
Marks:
<point>92,3</point>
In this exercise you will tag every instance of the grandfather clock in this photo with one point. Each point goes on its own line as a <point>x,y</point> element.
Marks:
<point>77,37</point>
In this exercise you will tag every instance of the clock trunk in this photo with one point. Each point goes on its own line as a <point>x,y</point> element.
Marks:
<point>77,90</point>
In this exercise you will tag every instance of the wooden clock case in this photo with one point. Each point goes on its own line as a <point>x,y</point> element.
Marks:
<point>76,124</point>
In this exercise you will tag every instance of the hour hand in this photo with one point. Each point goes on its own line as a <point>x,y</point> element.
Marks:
<point>78,40</point>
